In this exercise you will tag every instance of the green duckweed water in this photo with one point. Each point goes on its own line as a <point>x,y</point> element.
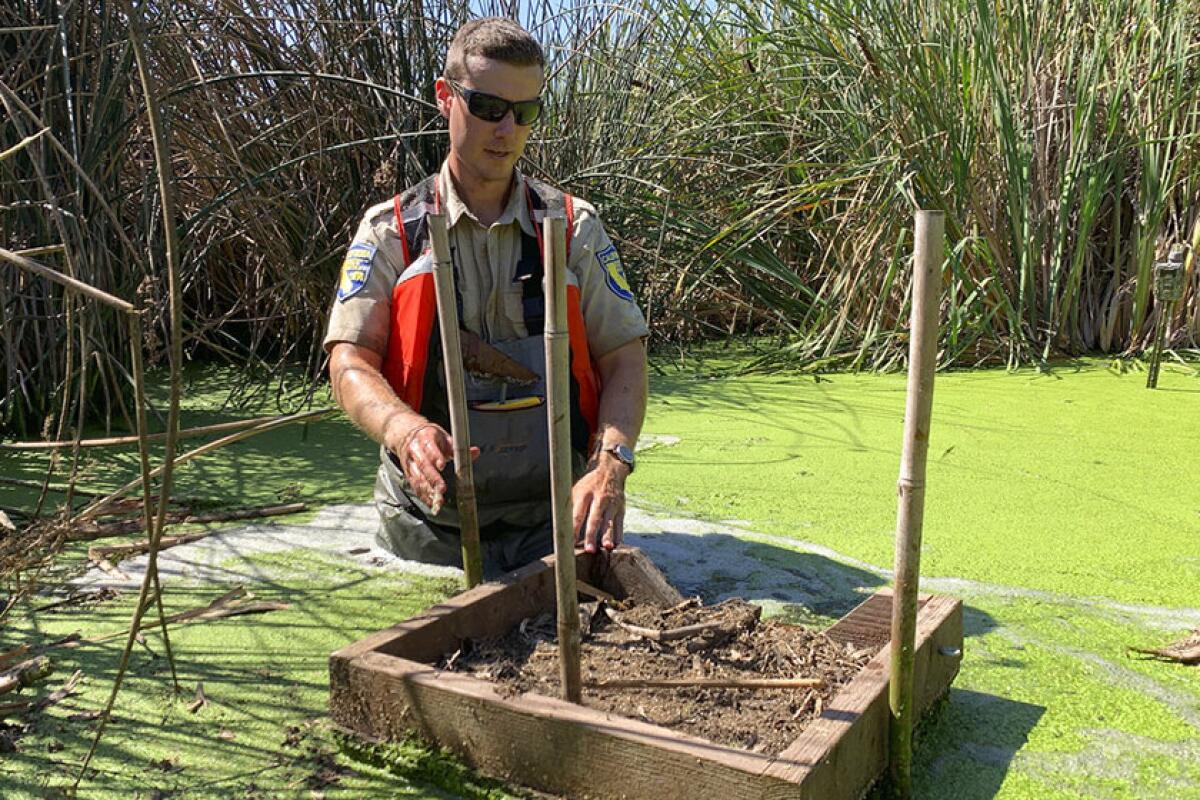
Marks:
<point>1062,508</point>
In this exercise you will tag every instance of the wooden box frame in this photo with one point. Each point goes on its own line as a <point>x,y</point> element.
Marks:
<point>385,687</point>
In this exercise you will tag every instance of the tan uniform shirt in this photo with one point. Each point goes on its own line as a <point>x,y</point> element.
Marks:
<point>485,260</point>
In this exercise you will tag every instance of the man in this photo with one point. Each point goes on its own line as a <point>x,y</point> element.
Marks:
<point>385,360</point>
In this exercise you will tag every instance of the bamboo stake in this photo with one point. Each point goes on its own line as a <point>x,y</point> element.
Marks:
<point>456,394</point>
<point>558,407</point>
<point>922,362</point>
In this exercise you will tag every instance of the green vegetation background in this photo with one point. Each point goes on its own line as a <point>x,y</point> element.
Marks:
<point>1062,503</point>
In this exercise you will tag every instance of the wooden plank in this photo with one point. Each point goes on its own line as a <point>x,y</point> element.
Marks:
<point>555,746</point>
<point>847,747</point>
<point>870,623</point>
<point>492,608</point>
<point>629,573</point>
<point>487,610</point>
<point>544,742</point>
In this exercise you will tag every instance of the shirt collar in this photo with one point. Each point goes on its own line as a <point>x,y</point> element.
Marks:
<point>517,209</point>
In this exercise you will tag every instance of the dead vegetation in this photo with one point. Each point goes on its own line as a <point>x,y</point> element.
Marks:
<point>693,668</point>
<point>1184,651</point>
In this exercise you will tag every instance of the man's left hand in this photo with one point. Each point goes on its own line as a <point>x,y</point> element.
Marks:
<point>598,503</point>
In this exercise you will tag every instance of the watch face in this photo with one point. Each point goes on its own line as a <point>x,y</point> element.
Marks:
<point>623,453</point>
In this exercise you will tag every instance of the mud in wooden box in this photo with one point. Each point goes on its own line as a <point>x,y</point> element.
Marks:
<point>386,686</point>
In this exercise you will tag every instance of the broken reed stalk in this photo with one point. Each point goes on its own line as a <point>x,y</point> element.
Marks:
<point>456,395</point>
<point>928,253</point>
<point>116,441</point>
<point>77,286</point>
<point>74,286</point>
<point>708,683</point>
<point>139,400</point>
<point>557,412</point>
<point>216,444</point>
<point>162,158</point>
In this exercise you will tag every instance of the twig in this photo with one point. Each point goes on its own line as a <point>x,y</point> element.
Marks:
<point>109,568</point>
<point>58,694</point>
<point>200,700</point>
<point>55,276</point>
<point>670,634</point>
<point>1185,651</point>
<point>13,655</point>
<point>230,604</point>
<point>68,641</point>
<point>81,596</point>
<point>708,683</point>
<point>162,160</point>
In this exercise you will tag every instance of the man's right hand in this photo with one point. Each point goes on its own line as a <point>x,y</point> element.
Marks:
<point>423,449</point>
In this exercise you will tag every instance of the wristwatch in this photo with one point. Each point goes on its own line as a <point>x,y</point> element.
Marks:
<point>622,453</point>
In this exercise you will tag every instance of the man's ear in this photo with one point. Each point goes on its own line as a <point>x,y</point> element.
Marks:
<point>443,92</point>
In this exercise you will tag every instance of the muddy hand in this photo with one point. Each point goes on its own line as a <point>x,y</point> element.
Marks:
<point>424,452</point>
<point>598,502</point>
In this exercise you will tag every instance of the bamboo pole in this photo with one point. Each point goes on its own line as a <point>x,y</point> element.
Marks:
<point>928,253</point>
<point>558,401</point>
<point>456,394</point>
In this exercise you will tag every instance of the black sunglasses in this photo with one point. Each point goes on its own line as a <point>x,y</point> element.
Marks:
<point>490,108</point>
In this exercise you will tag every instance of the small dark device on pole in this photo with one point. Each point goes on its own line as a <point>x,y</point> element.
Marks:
<point>1168,288</point>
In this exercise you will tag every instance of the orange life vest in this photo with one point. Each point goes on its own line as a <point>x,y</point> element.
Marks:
<point>414,346</point>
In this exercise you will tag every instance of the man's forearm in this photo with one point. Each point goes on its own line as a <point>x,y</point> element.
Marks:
<point>367,398</point>
<point>623,394</point>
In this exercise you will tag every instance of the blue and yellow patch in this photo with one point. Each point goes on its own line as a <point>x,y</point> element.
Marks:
<point>614,275</point>
<point>355,270</point>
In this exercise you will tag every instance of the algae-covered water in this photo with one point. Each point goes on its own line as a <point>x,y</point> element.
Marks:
<point>1063,507</point>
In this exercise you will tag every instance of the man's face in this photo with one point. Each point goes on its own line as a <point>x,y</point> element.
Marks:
<point>482,151</point>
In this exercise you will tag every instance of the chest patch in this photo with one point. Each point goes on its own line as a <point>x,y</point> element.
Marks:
<point>355,270</point>
<point>614,275</point>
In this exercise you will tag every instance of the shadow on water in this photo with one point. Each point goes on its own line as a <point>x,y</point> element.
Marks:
<point>798,586</point>
<point>966,747</point>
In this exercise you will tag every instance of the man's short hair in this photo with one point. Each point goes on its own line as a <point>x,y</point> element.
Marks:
<point>497,38</point>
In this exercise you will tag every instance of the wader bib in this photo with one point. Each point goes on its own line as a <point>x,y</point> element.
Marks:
<point>512,473</point>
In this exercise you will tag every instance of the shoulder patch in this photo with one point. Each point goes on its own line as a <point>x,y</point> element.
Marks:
<point>355,270</point>
<point>614,275</point>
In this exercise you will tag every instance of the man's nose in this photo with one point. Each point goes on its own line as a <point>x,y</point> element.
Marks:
<point>507,124</point>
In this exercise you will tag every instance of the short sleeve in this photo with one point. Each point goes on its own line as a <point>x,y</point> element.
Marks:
<point>361,307</point>
<point>610,311</point>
